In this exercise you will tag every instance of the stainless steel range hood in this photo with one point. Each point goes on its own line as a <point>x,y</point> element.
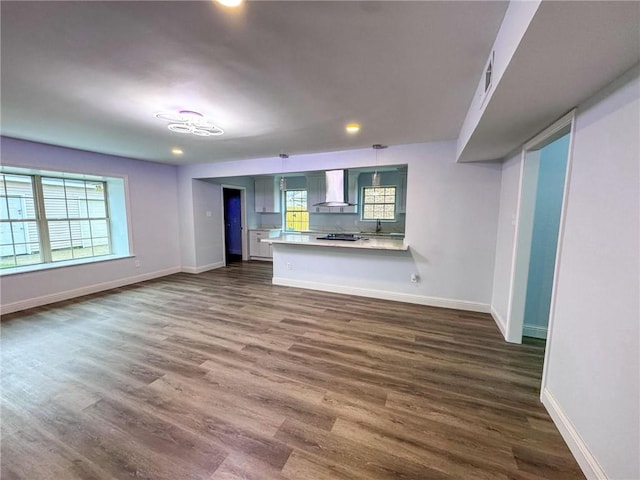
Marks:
<point>336,189</point>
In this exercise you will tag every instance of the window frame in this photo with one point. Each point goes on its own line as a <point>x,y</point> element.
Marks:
<point>118,226</point>
<point>365,203</point>
<point>11,222</point>
<point>285,210</point>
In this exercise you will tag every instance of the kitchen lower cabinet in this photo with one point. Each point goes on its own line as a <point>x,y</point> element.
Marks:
<point>259,250</point>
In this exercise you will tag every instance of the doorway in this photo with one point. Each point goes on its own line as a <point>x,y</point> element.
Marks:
<point>232,214</point>
<point>544,172</point>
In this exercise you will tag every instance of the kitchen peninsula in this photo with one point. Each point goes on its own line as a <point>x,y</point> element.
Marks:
<point>357,267</point>
<point>355,241</point>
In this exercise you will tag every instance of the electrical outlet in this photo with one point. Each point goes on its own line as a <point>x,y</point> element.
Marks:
<point>415,278</point>
<point>289,266</point>
<point>137,263</point>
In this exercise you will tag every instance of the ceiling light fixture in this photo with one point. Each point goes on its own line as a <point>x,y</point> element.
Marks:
<point>230,3</point>
<point>375,178</point>
<point>188,121</point>
<point>352,128</point>
<point>283,180</point>
<point>177,151</point>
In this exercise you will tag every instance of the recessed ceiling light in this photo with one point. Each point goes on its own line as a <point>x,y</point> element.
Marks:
<point>230,3</point>
<point>176,151</point>
<point>188,121</point>
<point>352,128</point>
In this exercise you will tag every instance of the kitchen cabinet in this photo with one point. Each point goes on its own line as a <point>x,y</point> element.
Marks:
<point>316,185</point>
<point>353,195</point>
<point>259,250</point>
<point>267,195</point>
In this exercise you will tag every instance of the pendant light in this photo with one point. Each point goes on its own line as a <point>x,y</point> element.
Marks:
<point>283,180</point>
<point>375,178</point>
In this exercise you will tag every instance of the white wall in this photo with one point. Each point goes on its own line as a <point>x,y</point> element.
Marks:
<point>451,218</point>
<point>524,237</point>
<point>208,225</point>
<point>153,211</point>
<point>593,365</point>
<point>591,380</point>
<point>505,241</point>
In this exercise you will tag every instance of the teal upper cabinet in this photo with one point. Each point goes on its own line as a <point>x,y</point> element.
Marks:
<point>267,195</point>
<point>353,194</point>
<point>316,186</point>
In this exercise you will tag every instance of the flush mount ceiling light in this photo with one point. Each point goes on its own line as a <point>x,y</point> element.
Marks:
<point>177,151</point>
<point>188,121</point>
<point>230,3</point>
<point>352,128</point>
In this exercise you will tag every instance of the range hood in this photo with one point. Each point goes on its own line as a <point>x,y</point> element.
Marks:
<point>336,189</point>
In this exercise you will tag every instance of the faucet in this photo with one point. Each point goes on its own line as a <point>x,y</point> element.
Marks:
<point>378,226</point>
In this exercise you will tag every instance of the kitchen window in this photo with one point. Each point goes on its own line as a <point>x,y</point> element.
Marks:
<point>379,203</point>
<point>296,214</point>
<point>46,220</point>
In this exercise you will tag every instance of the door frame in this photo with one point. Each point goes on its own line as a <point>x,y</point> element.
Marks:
<point>524,217</point>
<point>243,213</point>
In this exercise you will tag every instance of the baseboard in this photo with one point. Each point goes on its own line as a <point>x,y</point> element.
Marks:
<point>204,268</point>
<point>500,322</point>
<point>79,292</point>
<point>589,465</point>
<point>533,331</point>
<point>385,295</point>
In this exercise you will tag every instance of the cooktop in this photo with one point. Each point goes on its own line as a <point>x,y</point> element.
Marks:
<point>346,237</point>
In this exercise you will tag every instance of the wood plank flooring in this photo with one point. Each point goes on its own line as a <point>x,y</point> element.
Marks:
<point>223,376</point>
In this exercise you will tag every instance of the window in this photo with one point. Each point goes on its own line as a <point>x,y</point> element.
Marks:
<point>76,218</point>
<point>46,219</point>
<point>379,203</point>
<point>296,214</point>
<point>19,233</point>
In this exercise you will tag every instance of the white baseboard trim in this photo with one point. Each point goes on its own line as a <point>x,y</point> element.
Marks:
<point>385,295</point>
<point>204,268</point>
<point>79,292</point>
<point>262,259</point>
<point>589,465</point>
<point>500,322</point>
<point>533,331</point>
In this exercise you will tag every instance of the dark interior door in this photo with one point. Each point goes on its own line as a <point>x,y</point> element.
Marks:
<point>232,224</point>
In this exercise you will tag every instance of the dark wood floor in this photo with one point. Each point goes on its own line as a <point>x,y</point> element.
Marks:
<point>224,376</point>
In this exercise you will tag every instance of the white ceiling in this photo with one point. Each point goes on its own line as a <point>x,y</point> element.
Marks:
<point>286,76</point>
<point>276,76</point>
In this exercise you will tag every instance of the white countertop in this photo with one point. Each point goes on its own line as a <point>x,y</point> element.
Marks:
<point>396,235</point>
<point>273,232</point>
<point>373,243</point>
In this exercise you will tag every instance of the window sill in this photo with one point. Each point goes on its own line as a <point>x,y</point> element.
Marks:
<point>66,263</point>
